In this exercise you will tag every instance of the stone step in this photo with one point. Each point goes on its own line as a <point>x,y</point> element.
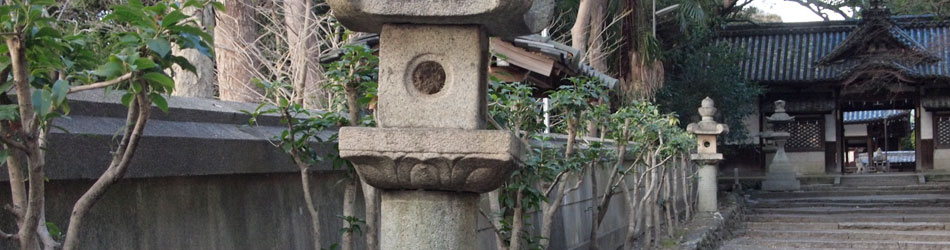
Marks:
<point>844,193</point>
<point>831,244</point>
<point>848,218</point>
<point>744,247</point>
<point>852,210</point>
<point>829,187</point>
<point>885,235</point>
<point>862,204</point>
<point>880,180</point>
<point>891,226</point>
<point>900,199</point>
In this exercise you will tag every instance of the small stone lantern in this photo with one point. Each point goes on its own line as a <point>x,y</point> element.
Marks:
<point>781,175</point>
<point>706,155</point>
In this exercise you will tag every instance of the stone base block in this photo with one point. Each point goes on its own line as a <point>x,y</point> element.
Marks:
<point>413,220</point>
<point>781,181</point>
<point>475,161</point>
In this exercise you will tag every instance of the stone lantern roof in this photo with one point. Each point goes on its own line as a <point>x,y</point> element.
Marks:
<point>707,126</point>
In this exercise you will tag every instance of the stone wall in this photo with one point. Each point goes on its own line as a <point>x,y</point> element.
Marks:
<point>941,160</point>
<point>203,179</point>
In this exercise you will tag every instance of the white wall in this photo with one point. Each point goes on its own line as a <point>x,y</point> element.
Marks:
<point>855,130</point>
<point>926,126</point>
<point>942,159</point>
<point>831,131</point>
<point>808,162</point>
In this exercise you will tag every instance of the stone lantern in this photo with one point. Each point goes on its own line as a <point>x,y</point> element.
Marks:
<point>706,155</point>
<point>780,175</point>
<point>430,155</point>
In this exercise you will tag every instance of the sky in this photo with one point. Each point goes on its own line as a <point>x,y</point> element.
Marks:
<point>789,11</point>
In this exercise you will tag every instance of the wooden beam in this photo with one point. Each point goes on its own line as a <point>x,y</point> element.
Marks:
<point>519,57</point>
<point>508,74</point>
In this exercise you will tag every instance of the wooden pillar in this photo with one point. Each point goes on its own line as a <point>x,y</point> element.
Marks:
<point>925,139</point>
<point>840,144</point>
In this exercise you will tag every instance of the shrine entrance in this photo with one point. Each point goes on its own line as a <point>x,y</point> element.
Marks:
<point>879,141</point>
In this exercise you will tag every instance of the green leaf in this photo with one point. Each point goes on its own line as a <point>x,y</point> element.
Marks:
<point>47,31</point>
<point>60,89</point>
<point>173,18</point>
<point>161,80</point>
<point>136,3</point>
<point>9,112</point>
<point>218,6</point>
<point>127,98</point>
<point>144,63</point>
<point>160,46</point>
<point>188,29</point>
<point>185,64</point>
<point>159,101</point>
<point>53,229</point>
<point>110,69</point>
<point>42,102</point>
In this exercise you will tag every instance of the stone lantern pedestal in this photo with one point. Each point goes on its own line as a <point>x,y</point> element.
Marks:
<point>430,156</point>
<point>706,156</point>
<point>781,175</point>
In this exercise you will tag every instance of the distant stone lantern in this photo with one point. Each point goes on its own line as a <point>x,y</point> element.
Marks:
<point>781,175</point>
<point>706,154</point>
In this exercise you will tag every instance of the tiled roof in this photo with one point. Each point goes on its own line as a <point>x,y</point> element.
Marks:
<point>871,115</point>
<point>790,52</point>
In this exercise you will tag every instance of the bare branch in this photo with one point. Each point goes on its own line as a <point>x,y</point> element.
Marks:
<point>6,236</point>
<point>15,144</point>
<point>100,85</point>
<point>121,160</point>
<point>493,227</point>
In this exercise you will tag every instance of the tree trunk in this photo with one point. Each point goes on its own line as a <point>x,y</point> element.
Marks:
<point>596,55</point>
<point>517,222</point>
<point>674,193</point>
<point>349,211</point>
<point>579,32</point>
<point>371,228</point>
<point>136,119</point>
<point>317,232</point>
<point>628,205</point>
<point>35,155</point>
<point>236,30</point>
<point>17,179</point>
<point>667,202</point>
<point>596,210</point>
<point>302,40</point>
<point>370,194</point>
<point>200,83</point>
<point>496,216</point>
<point>548,210</point>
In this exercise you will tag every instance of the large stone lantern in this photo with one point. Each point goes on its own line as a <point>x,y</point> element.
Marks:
<point>706,155</point>
<point>430,155</point>
<point>781,175</point>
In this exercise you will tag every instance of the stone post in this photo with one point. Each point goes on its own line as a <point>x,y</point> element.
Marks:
<point>780,175</point>
<point>430,155</point>
<point>706,155</point>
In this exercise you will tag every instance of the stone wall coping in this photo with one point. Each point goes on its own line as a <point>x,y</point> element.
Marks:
<point>196,137</point>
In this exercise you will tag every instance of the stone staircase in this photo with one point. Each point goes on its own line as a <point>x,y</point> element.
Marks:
<point>854,215</point>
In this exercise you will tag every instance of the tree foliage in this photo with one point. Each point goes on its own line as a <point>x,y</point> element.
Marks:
<point>48,58</point>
